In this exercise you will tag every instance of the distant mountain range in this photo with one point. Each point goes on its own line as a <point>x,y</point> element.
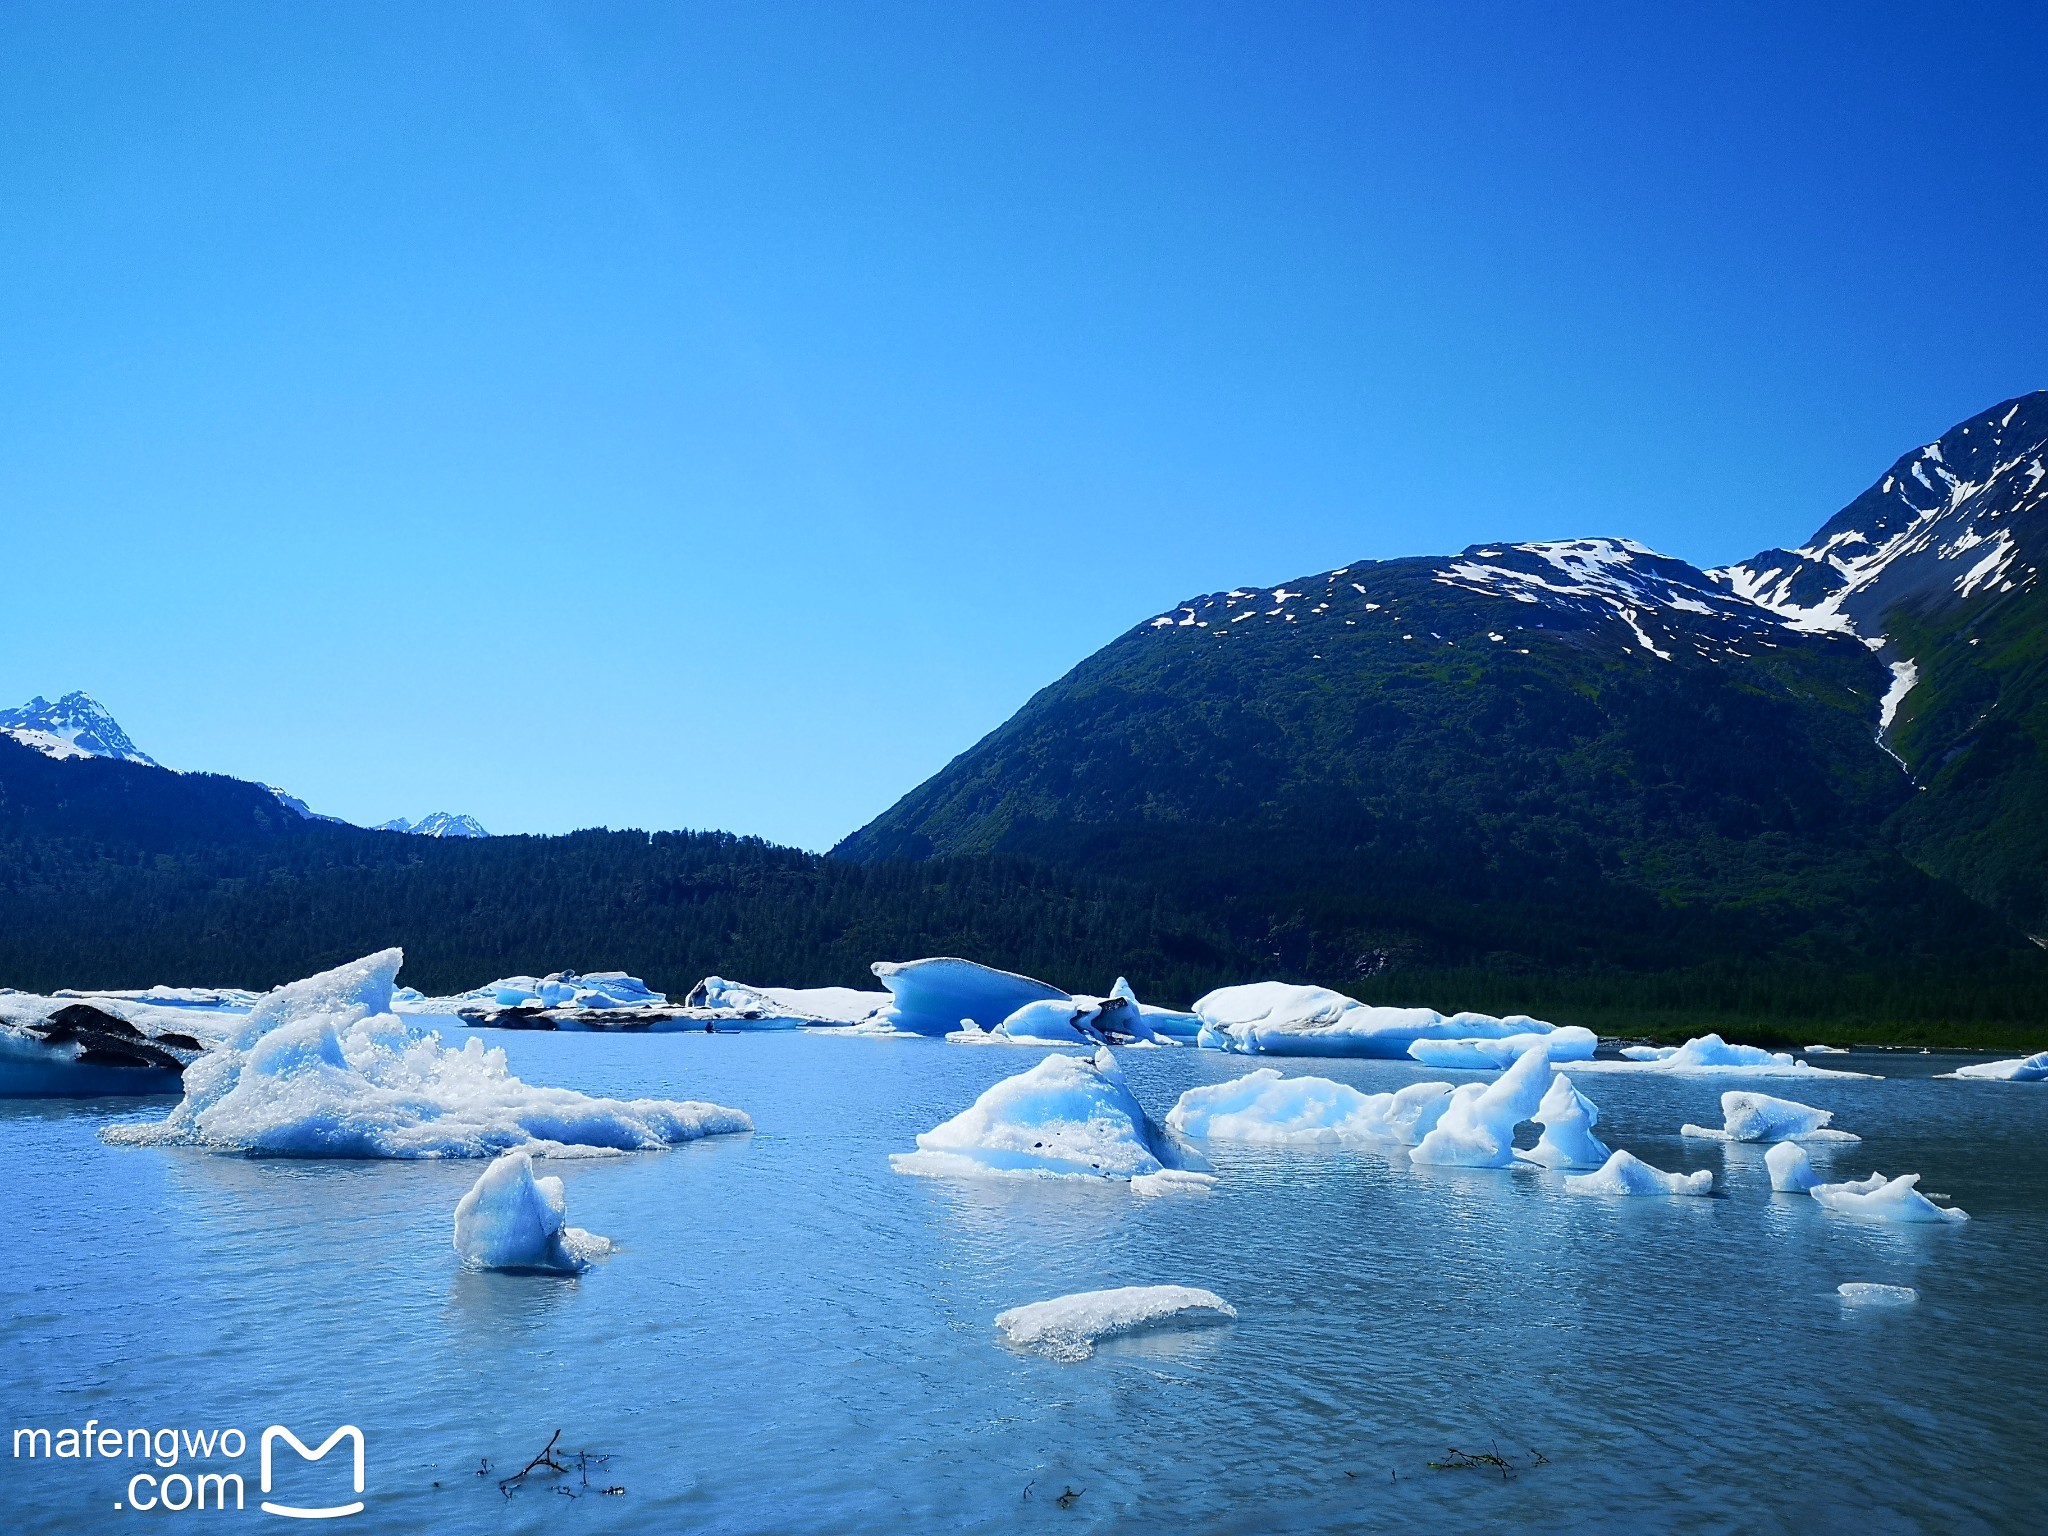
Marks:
<point>1578,777</point>
<point>78,725</point>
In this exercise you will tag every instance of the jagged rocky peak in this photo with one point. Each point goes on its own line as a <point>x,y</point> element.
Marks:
<point>1965,516</point>
<point>75,726</point>
<point>439,824</point>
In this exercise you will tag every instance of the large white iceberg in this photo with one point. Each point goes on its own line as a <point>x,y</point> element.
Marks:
<point>323,1068</point>
<point>1165,1023</point>
<point>1276,1018</point>
<point>1759,1117</point>
<point>1476,1128</point>
<point>511,1220</point>
<point>819,1007</point>
<point>1567,1117</point>
<point>1569,1042</point>
<point>1710,1055</point>
<point>1627,1174</point>
<point>1065,1117</point>
<point>1265,1107</point>
<point>935,996</point>
<point>1790,1168</point>
<point>559,989</point>
<point>1068,1327</point>
<point>2016,1069</point>
<point>1878,1198</point>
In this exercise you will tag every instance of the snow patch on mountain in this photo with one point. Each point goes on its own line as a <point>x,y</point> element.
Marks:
<point>439,824</point>
<point>75,726</point>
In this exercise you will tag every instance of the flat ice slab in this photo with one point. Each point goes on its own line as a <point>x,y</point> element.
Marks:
<point>1266,1108</point>
<point>1483,1054</point>
<point>1068,1327</point>
<point>1866,1293</point>
<point>1878,1198</point>
<point>2016,1069</point>
<point>815,1007</point>
<point>1275,1018</point>
<point>1711,1056</point>
<point>322,1068</point>
<point>1064,1117</point>
<point>512,1220</point>
<point>1759,1117</point>
<point>1627,1174</point>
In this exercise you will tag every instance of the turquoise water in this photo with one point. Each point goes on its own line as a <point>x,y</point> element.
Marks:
<point>794,1338</point>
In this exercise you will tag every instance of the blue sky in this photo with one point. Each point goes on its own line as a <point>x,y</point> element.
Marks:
<point>718,415</point>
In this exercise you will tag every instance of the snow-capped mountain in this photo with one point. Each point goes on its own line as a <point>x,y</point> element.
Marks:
<point>439,824</point>
<point>75,726</point>
<point>1963,516</point>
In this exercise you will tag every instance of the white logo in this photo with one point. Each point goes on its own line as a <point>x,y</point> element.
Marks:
<point>346,1432</point>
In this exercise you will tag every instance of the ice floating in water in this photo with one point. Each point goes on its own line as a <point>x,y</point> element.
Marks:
<point>1791,1169</point>
<point>1275,1019</point>
<point>1567,1117</point>
<point>1265,1107</point>
<point>1167,1023</point>
<point>561,989</point>
<point>1711,1055</point>
<point>1826,1050</point>
<point>1173,1181</point>
<point>934,997</point>
<point>1759,1117</point>
<point>1866,1293</point>
<point>2018,1069</point>
<point>822,1007</point>
<point>1476,1128</point>
<point>1078,1020</point>
<point>1627,1174</point>
<point>1569,1042</point>
<point>511,1220</point>
<point>322,1068</point>
<point>1068,1327</point>
<point>1066,1117</point>
<point>1880,1199</point>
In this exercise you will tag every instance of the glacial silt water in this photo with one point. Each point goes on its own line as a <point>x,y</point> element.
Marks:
<point>794,1338</point>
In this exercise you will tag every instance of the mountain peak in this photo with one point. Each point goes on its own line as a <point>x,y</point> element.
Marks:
<point>439,824</point>
<point>77,725</point>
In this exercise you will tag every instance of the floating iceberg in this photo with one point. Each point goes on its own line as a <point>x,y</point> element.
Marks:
<point>1866,1293</point>
<point>322,1068</point>
<point>1759,1117</point>
<point>1068,1327</point>
<point>1569,1042</point>
<point>1165,1023</point>
<point>816,1007</point>
<point>1066,1117</point>
<point>1627,1174</point>
<point>1274,1018</point>
<point>511,1220</point>
<point>1790,1168</point>
<point>1476,1128</point>
<point>1265,1107</point>
<point>61,1058</point>
<point>934,997</point>
<point>1173,1181</point>
<point>1567,1117</point>
<point>560,989</point>
<point>1710,1055</point>
<point>1880,1199</point>
<point>1826,1050</point>
<point>2018,1069</point>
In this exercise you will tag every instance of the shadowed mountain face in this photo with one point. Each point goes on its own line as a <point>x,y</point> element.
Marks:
<point>1579,754</point>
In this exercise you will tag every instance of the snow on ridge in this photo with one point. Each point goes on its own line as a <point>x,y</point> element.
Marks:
<point>77,725</point>
<point>439,824</point>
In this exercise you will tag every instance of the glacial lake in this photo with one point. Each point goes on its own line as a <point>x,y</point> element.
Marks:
<point>794,1338</point>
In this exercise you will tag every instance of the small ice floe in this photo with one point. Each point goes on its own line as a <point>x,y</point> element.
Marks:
<point>1710,1055</point>
<point>1878,1198</point>
<point>323,1068</point>
<point>1066,1117</point>
<point>1759,1117</point>
<point>559,989</point>
<point>1569,1042</point>
<point>1165,1023</point>
<point>1277,1019</point>
<point>1266,1108</point>
<point>1865,1293</point>
<point>1476,1127</point>
<point>1173,1181</point>
<point>50,1049</point>
<point>511,1220</point>
<point>1068,1327</point>
<point>1079,1020</point>
<point>935,996</point>
<point>1567,1117</point>
<point>1627,1174</point>
<point>804,1007</point>
<point>2016,1069</point>
<point>1826,1050</point>
<point>1790,1168</point>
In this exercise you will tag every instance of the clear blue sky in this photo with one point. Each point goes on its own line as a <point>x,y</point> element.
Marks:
<point>720,415</point>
